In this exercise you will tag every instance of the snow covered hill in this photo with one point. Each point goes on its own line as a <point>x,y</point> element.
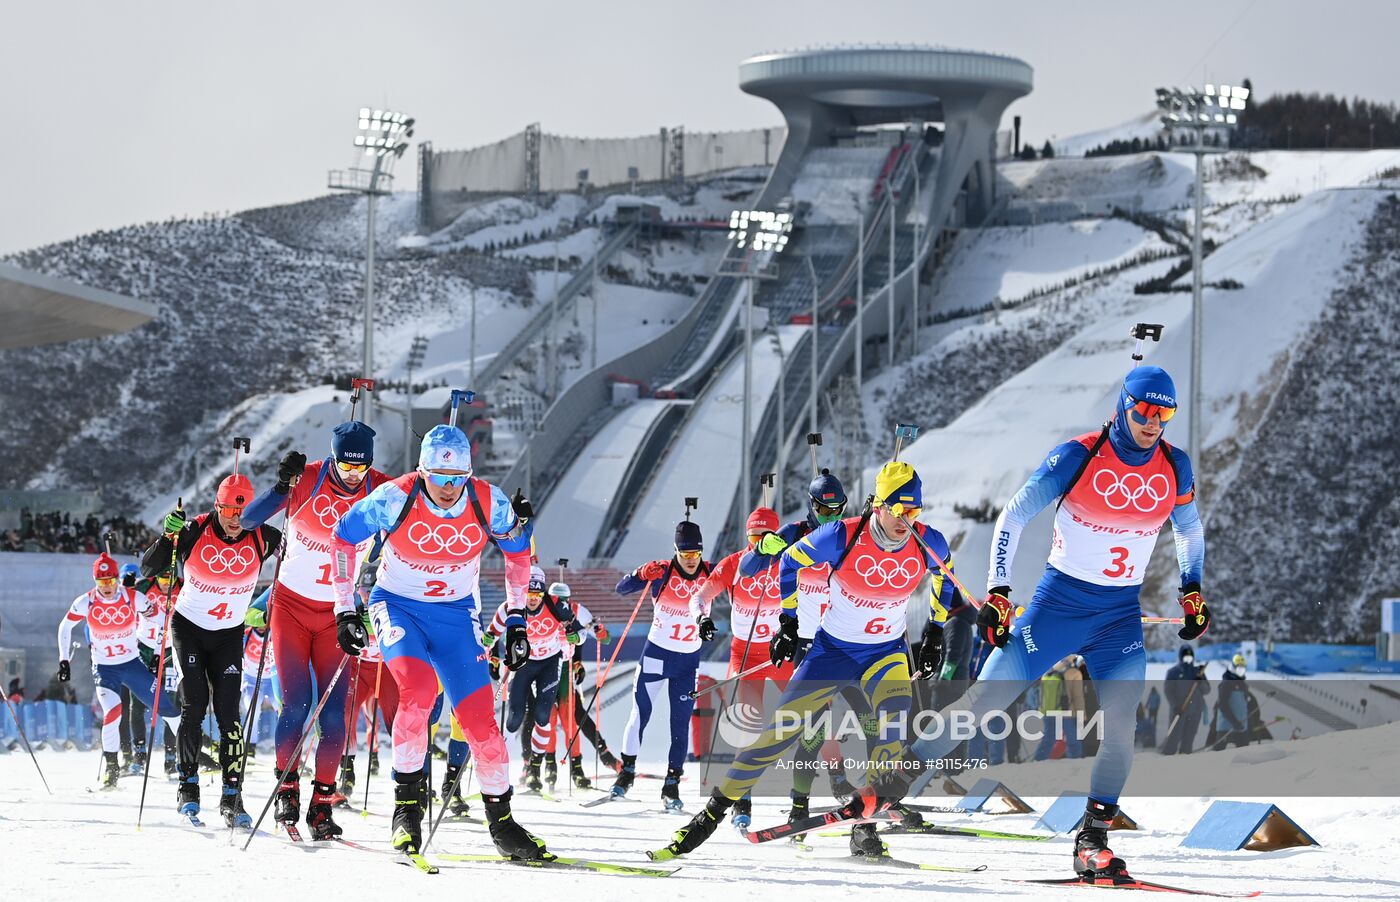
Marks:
<point>261,312</point>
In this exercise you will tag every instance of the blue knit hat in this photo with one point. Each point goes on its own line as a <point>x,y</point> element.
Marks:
<point>353,442</point>
<point>688,537</point>
<point>446,448</point>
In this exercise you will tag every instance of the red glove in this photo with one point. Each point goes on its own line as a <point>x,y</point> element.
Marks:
<point>651,571</point>
<point>994,620</point>
<point>1195,613</point>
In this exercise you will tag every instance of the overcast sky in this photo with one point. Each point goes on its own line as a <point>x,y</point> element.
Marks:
<point>120,112</point>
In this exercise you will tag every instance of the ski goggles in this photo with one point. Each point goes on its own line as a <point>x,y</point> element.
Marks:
<point>689,557</point>
<point>902,510</point>
<point>1143,411</point>
<point>229,510</point>
<point>106,582</point>
<point>446,480</point>
<point>831,511</point>
<point>347,468</point>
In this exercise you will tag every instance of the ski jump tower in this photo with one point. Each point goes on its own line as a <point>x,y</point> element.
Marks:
<point>824,92</point>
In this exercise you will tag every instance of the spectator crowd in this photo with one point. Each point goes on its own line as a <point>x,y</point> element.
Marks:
<point>62,532</point>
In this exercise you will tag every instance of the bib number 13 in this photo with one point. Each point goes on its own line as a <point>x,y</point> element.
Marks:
<point>1120,568</point>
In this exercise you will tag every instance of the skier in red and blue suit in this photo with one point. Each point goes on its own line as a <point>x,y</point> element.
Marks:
<point>438,521</point>
<point>303,624</point>
<point>1117,488</point>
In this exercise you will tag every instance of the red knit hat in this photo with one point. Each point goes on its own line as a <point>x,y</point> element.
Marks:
<point>104,567</point>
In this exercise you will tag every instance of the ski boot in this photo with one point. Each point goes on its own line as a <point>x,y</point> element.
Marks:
<point>701,827</point>
<point>111,770</point>
<point>865,843</point>
<point>908,817</point>
<point>1094,861</point>
<point>801,810</point>
<point>743,814</point>
<point>409,802</point>
<point>187,796</point>
<point>671,790</point>
<point>626,774</point>
<point>287,808</point>
<point>608,760</point>
<point>841,788</point>
<point>128,760</point>
<point>512,840</point>
<point>551,772</point>
<point>171,764</point>
<point>138,759</point>
<point>374,763</point>
<point>318,813</point>
<point>347,775</point>
<point>231,808</point>
<point>452,792</point>
<point>576,773</point>
<point>532,772</point>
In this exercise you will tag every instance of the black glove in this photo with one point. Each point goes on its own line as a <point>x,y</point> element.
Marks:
<point>524,510</point>
<point>783,645</point>
<point>517,644</point>
<point>350,632</point>
<point>707,628</point>
<point>289,471</point>
<point>65,672</point>
<point>1194,612</point>
<point>930,654</point>
<point>578,671</point>
<point>129,581</point>
<point>149,658</point>
<point>994,620</point>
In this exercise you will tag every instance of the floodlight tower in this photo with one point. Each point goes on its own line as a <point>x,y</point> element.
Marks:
<point>1215,109</point>
<point>758,236</point>
<point>383,136</point>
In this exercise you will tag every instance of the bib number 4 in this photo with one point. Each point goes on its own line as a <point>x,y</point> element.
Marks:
<point>1120,568</point>
<point>220,611</point>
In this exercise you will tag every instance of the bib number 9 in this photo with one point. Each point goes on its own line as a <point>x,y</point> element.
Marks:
<point>762,631</point>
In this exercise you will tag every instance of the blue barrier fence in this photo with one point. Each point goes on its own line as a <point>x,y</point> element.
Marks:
<point>51,722</point>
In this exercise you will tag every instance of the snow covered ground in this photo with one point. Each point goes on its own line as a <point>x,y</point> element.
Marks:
<point>71,843</point>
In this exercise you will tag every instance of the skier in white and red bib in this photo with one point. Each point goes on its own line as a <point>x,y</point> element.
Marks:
<point>113,617</point>
<point>424,608</point>
<point>680,622</point>
<point>221,563</point>
<point>1117,488</point>
<point>303,628</point>
<point>550,623</point>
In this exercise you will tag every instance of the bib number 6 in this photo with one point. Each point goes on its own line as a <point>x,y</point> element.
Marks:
<point>878,627</point>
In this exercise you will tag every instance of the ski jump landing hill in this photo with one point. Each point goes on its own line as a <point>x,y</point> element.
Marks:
<point>628,469</point>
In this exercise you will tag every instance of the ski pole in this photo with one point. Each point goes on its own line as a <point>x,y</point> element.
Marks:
<point>743,662</point>
<point>598,715</point>
<point>1163,620</point>
<point>371,741</point>
<point>725,682</point>
<point>295,757</point>
<point>27,747</point>
<point>442,809</point>
<point>160,664</point>
<point>621,640</point>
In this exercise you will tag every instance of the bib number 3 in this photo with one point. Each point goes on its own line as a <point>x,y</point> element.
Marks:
<point>1120,568</point>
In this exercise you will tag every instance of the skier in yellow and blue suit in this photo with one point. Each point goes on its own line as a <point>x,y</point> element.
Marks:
<point>876,566</point>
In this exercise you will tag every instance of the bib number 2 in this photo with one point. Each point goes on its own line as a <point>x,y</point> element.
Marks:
<point>1120,568</point>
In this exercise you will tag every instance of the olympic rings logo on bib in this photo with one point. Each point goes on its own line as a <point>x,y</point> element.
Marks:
<point>897,574</point>
<point>109,614</point>
<point>328,510</point>
<point>233,561</point>
<point>682,588</point>
<point>1130,489</point>
<point>760,586</point>
<point>445,538</point>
